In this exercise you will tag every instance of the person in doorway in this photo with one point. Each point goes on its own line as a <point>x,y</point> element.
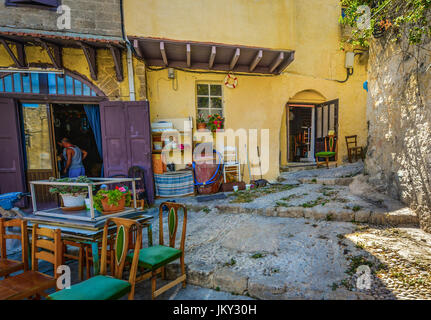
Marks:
<point>73,156</point>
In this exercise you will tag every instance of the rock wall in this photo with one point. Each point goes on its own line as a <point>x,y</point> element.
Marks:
<point>399,120</point>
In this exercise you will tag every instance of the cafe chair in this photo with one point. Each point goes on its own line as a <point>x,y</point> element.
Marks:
<point>331,147</point>
<point>47,246</point>
<point>8,266</point>
<point>353,150</point>
<point>104,287</point>
<point>152,260</point>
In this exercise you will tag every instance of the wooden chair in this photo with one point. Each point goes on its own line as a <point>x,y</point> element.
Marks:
<point>47,246</point>
<point>79,257</point>
<point>8,266</point>
<point>154,259</point>
<point>353,149</point>
<point>104,287</point>
<point>89,256</point>
<point>331,147</point>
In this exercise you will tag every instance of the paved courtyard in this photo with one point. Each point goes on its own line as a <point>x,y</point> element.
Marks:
<point>301,239</point>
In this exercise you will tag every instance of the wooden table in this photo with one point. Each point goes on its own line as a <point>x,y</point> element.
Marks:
<point>85,233</point>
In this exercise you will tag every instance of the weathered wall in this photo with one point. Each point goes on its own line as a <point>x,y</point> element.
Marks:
<point>100,17</point>
<point>399,116</point>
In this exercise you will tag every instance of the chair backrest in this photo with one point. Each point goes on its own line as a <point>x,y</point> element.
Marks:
<point>230,154</point>
<point>121,246</point>
<point>46,245</point>
<point>23,237</point>
<point>330,143</point>
<point>351,141</point>
<point>172,223</point>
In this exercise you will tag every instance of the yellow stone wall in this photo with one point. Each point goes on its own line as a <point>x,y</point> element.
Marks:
<point>309,27</point>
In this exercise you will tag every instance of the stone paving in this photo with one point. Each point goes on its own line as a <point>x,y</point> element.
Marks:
<point>238,248</point>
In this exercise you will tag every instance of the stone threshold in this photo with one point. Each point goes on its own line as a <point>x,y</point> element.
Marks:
<point>402,217</point>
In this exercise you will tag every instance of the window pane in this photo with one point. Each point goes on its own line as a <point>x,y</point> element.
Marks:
<point>217,111</point>
<point>36,130</point>
<point>51,83</point>
<point>8,83</point>
<point>216,103</point>
<point>86,90</point>
<point>26,83</point>
<point>17,82</point>
<point>216,90</point>
<point>60,81</point>
<point>202,89</point>
<point>78,88</point>
<point>203,102</point>
<point>204,112</point>
<point>69,85</point>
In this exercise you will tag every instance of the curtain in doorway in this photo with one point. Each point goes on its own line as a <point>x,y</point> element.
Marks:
<point>93,115</point>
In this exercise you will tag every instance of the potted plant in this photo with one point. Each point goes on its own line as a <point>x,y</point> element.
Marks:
<point>201,123</point>
<point>73,196</point>
<point>215,122</point>
<point>111,201</point>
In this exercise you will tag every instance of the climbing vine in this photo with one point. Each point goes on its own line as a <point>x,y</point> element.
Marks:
<point>394,18</point>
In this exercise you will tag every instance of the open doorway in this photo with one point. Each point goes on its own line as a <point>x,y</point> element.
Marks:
<point>71,121</point>
<point>301,132</point>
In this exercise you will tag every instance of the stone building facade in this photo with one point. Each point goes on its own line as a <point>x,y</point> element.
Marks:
<point>88,17</point>
<point>399,120</point>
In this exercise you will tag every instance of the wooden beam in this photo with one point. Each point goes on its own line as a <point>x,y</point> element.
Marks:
<point>54,55</point>
<point>189,55</point>
<point>256,60</point>
<point>274,64</point>
<point>118,62</point>
<point>19,60</point>
<point>286,62</point>
<point>138,49</point>
<point>235,58</point>
<point>91,56</point>
<point>212,57</point>
<point>163,52</point>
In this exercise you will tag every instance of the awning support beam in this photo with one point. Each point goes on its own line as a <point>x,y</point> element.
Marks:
<point>91,56</point>
<point>118,62</point>
<point>235,58</point>
<point>163,52</point>
<point>53,51</point>
<point>189,55</point>
<point>138,49</point>
<point>274,64</point>
<point>19,59</point>
<point>256,60</point>
<point>212,57</point>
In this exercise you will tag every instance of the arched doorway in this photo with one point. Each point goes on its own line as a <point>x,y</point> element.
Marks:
<point>309,118</point>
<point>39,108</point>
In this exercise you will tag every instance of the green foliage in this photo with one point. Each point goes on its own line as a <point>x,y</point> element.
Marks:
<point>70,189</point>
<point>113,196</point>
<point>396,18</point>
<point>257,255</point>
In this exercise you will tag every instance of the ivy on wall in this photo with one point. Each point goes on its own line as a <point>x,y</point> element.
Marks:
<point>392,18</point>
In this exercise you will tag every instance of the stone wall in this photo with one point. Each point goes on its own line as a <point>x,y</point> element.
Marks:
<point>99,17</point>
<point>399,119</point>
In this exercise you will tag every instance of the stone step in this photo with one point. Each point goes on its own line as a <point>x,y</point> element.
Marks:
<point>327,181</point>
<point>401,217</point>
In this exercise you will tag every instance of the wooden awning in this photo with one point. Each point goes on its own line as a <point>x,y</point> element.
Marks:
<point>54,42</point>
<point>211,56</point>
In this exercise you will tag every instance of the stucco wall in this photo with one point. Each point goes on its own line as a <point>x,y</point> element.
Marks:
<point>100,17</point>
<point>399,114</point>
<point>309,27</point>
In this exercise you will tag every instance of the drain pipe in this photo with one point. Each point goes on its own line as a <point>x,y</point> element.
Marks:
<point>130,72</point>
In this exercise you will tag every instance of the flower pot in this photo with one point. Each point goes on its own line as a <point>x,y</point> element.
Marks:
<point>73,200</point>
<point>112,208</point>
<point>202,126</point>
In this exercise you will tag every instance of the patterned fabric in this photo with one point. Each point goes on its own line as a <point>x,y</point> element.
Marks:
<point>174,185</point>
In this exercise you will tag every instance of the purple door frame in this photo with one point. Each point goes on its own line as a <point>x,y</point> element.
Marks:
<point>126,139</point>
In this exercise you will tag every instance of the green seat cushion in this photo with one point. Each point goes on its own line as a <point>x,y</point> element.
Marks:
<point>96,288</point>
<point>325,154</point>
<point>156,256</point>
